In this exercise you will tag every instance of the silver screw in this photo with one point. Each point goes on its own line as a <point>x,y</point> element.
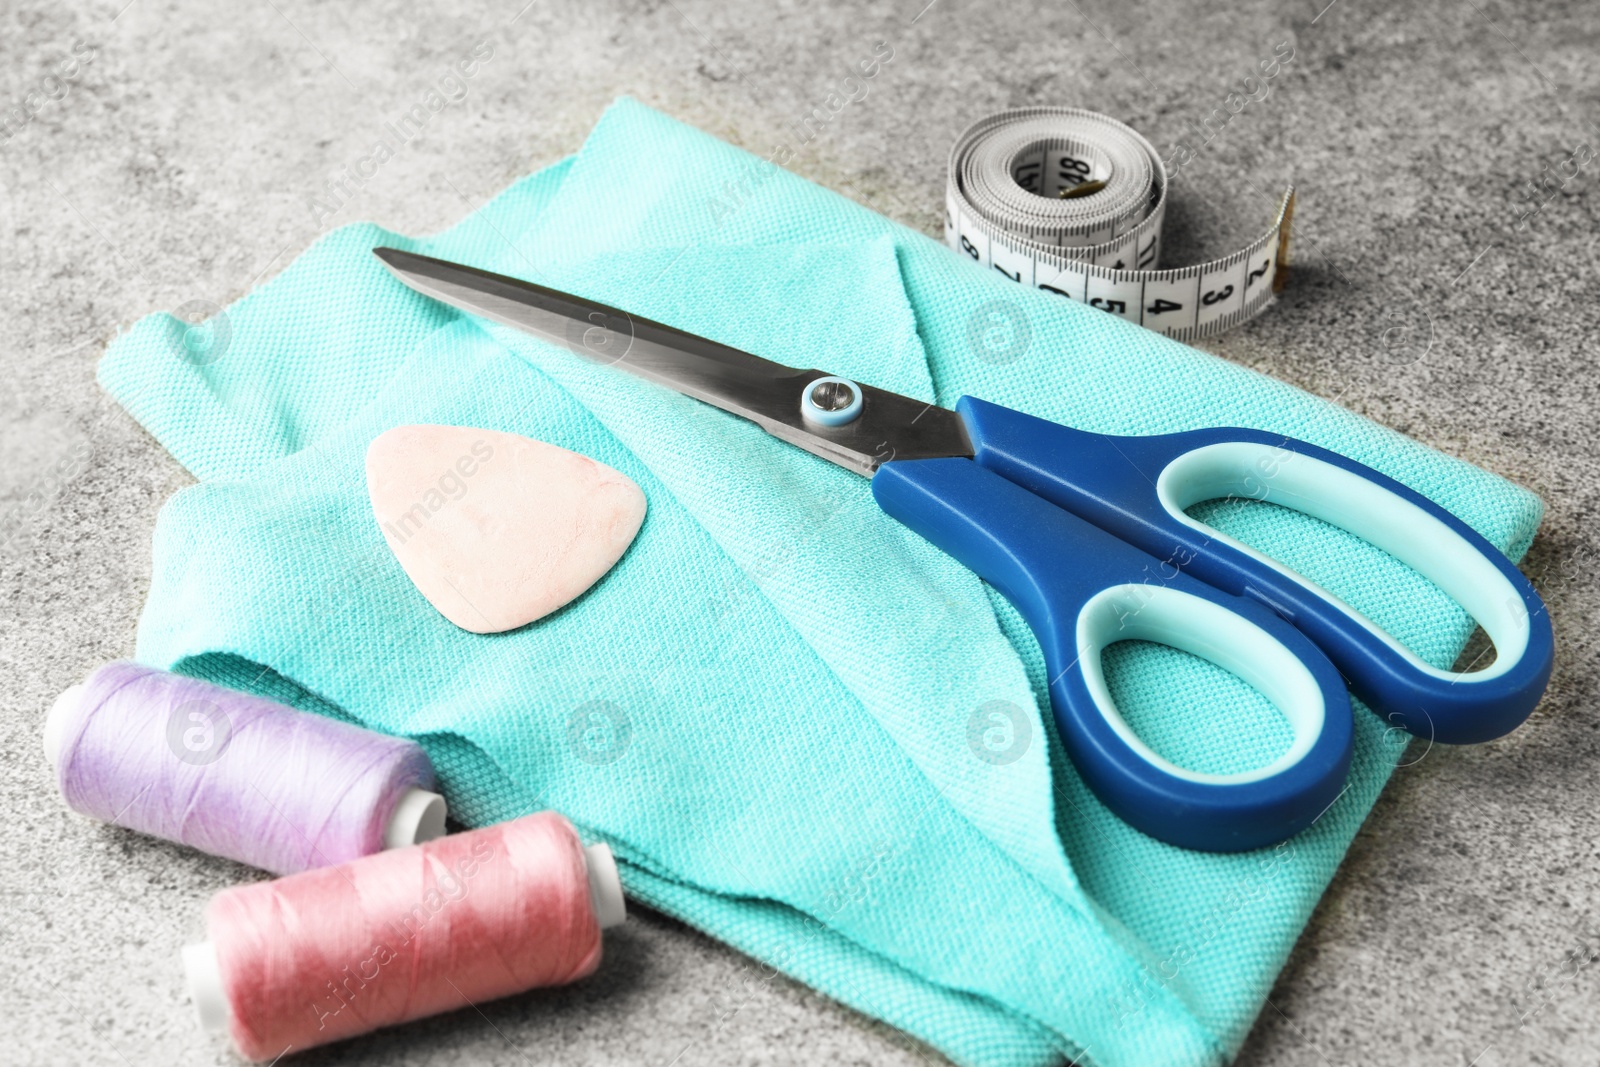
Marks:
<point>833,396</point>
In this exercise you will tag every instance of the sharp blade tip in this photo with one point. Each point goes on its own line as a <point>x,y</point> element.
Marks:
<point>399,263</point>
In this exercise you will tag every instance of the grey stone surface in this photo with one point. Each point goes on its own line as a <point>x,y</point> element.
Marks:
<point>180,164</point>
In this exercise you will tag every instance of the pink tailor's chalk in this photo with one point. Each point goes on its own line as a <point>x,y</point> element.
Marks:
<point>495,529</point>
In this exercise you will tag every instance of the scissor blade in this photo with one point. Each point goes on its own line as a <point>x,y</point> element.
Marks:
<point>890,426</point>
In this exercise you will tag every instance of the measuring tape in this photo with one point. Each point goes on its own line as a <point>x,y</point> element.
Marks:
<point>1071,202</point>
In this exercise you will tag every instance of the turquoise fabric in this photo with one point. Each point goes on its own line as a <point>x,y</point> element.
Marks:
<point>802,729</point>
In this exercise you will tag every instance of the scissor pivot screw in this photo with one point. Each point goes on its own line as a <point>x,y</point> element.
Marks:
<point>831,401</point>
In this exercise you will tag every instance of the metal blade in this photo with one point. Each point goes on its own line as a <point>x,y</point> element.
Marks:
<point>769,394</point>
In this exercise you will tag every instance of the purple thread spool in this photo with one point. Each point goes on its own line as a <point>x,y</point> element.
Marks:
<point>236,775</point>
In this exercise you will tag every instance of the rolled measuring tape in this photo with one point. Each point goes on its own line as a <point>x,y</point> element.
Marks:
<point>1071,202</point>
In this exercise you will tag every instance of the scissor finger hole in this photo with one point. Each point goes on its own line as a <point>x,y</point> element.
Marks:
<point>1191,711</point>
<point>1327,556</point>
<point>1228,641</point>
<point>1248,486</point>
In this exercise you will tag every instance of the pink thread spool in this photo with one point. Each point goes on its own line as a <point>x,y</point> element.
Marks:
<point>236,775</point>
<point>331,953</point>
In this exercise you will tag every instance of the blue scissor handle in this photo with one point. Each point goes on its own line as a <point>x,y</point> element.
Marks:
<point>1080,589</point>
<point>1138,488</point>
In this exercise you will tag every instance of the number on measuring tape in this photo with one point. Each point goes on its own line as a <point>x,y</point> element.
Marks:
<point>1072,172</point>
<point>1260,272</point>
<point>1030,176</point>
<point>1171,304</point>
<point>970,240</point>
<point>1018,266</point>
<point>1148,253</point>
<point>1069,280</point>
<point>1122,297</point>
<point>1221,293</point>
<point>1007,210</point>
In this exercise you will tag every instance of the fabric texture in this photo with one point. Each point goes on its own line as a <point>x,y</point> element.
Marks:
<point>802,729</point>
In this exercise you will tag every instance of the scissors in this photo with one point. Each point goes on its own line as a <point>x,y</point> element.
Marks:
<point>1089,537</point>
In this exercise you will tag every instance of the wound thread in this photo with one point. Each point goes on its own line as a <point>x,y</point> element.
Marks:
<point>236,775</point>
<point>331,953</point>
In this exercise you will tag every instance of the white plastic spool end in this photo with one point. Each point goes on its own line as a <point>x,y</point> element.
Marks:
<point>57,721</point>
<point>204,975</point>
<point>605,886</point>
<point>417,817</point>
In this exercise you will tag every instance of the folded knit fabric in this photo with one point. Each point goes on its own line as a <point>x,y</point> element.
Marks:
<point>803,730</point>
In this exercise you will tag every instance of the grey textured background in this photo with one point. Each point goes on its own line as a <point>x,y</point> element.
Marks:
<point>180,165</point>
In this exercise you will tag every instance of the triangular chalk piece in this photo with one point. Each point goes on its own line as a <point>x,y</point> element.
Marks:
<point>495,529</point>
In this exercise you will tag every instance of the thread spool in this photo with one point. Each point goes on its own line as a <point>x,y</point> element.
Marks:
<point>235,775</point>
<point>340,951</point>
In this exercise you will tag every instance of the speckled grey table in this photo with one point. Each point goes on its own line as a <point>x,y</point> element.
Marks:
<point>187,153</point>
